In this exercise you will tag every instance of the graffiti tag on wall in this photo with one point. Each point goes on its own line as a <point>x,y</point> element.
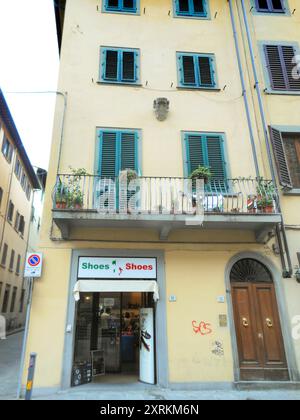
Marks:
<point>202,328</point>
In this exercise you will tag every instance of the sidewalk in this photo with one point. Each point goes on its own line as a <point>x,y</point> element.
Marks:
<point>10,353</point>
<point>143,392</point>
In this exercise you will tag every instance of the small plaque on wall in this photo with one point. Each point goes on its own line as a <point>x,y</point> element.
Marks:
<point>223,320</point>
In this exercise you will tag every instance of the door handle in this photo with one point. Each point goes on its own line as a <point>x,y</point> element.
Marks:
<point>269,323</point>
<point>245,322</point>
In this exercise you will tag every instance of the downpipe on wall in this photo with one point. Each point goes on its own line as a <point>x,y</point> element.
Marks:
<point>287,272</point>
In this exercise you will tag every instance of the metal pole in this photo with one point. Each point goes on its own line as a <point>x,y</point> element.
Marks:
<point>30,377</point>
<point>24,345</point>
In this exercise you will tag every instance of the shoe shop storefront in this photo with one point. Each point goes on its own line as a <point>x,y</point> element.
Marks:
<point>116,323</point>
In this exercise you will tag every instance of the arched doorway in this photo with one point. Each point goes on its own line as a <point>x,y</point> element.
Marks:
<point>257,323</point>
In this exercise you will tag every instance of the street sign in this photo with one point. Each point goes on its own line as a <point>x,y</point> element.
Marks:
<point>33,266</point>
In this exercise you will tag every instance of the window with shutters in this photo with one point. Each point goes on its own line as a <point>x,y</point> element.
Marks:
<point>121,6</point>
<point>12,260</point>
<point>118,150</point>
<point>4,255</point>
<point>271,6</point>
<point>197,71</point>
<point>191,8</point>
<point>120,65</point>
<point>286,148</point>
<point>10,212</point>
<point>205,149</point>
<point>283,68</point>
<point>7,149</point>
<point>6,298</point>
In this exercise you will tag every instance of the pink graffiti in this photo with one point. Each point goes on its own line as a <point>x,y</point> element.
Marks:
<point>203,328</point>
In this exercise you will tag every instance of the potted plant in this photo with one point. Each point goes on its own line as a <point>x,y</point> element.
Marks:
<point>265,205</point>
<point>202,172</point>
<point>265,196</point>
<point>75,195</point>
<point>61,195</point>
<point>131,175</point>
<point>77,200</point>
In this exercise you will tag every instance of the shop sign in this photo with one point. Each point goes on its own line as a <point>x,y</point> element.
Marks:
<point>117,268</point>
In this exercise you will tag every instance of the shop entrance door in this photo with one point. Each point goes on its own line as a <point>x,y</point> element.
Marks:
<point>110,323</point>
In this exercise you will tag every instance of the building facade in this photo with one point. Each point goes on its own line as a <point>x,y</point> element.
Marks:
<point>17,183</point>
<point>151,92</point>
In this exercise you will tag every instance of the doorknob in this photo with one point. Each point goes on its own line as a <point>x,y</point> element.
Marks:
<point>245,322</point>
<point>269,323</point>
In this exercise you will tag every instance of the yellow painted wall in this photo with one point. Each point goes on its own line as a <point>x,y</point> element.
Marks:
<point>194,272</point>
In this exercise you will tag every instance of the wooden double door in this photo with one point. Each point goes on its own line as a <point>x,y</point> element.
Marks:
<point>259,335</point>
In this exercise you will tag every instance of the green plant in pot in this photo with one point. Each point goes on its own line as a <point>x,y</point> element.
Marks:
<point>77,200</point>
<point>75,196</point>
<point>61,195</point>
<point>131,175</point>
<point>266,193</point>
<point>202,172</point>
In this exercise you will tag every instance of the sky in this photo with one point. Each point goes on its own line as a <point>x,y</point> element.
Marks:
<point>29,63</point>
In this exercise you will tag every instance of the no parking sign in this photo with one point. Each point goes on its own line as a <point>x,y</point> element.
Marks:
<point>33,266</point>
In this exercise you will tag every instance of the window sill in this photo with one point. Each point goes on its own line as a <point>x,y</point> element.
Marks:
<point>292,192</point>
<point>134,85</point>
<point>205,89</point>
<point>192,17</point>
<point>285,13</point>
<point>281,92</point>
<point>122,12</point>
<point>2,266</point>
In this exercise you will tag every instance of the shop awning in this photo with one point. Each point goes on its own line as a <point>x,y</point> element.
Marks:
<point>90,286</point>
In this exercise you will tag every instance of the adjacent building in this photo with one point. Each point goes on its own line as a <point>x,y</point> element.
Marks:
<point>154,93</point>
<point>17,183</point>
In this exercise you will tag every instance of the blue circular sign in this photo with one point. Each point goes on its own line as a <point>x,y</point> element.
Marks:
<point>34,260</point>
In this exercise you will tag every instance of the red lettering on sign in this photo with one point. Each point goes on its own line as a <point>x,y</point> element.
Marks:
<point>131,266</point>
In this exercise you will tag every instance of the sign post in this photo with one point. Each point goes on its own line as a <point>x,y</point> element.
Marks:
<point>33,269</point>
<point>33,266</point>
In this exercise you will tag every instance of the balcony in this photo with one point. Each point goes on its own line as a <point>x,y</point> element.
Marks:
<point>164,204</point>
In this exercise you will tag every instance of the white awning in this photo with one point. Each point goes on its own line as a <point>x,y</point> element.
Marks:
<point>90,286</point>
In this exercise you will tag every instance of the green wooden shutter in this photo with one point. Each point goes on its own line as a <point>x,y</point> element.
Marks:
<point>216,161</point>
<point>128,66</point>
<point>206,71</point>
<point>194,152</point>
<point>108,155</point>
<point>111,65</point>
<point>188,70</point>
<point>289,53</point>
<point>281,159</point>
<point>128,151</point>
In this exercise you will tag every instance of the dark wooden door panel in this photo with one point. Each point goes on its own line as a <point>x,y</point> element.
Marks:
<point>258,331</point>
<point>270,323</point>
<point>245,322</point>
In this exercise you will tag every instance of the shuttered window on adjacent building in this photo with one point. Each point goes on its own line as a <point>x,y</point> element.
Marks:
<point>119,65</point>
<point>191,8</point>
<point>196,71</point>
<point>286,149</point>
<point>127,6</point>
<point>207,150</point>
<point>118,151</point>
<point>271,6</point>
<point>282,66</point>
